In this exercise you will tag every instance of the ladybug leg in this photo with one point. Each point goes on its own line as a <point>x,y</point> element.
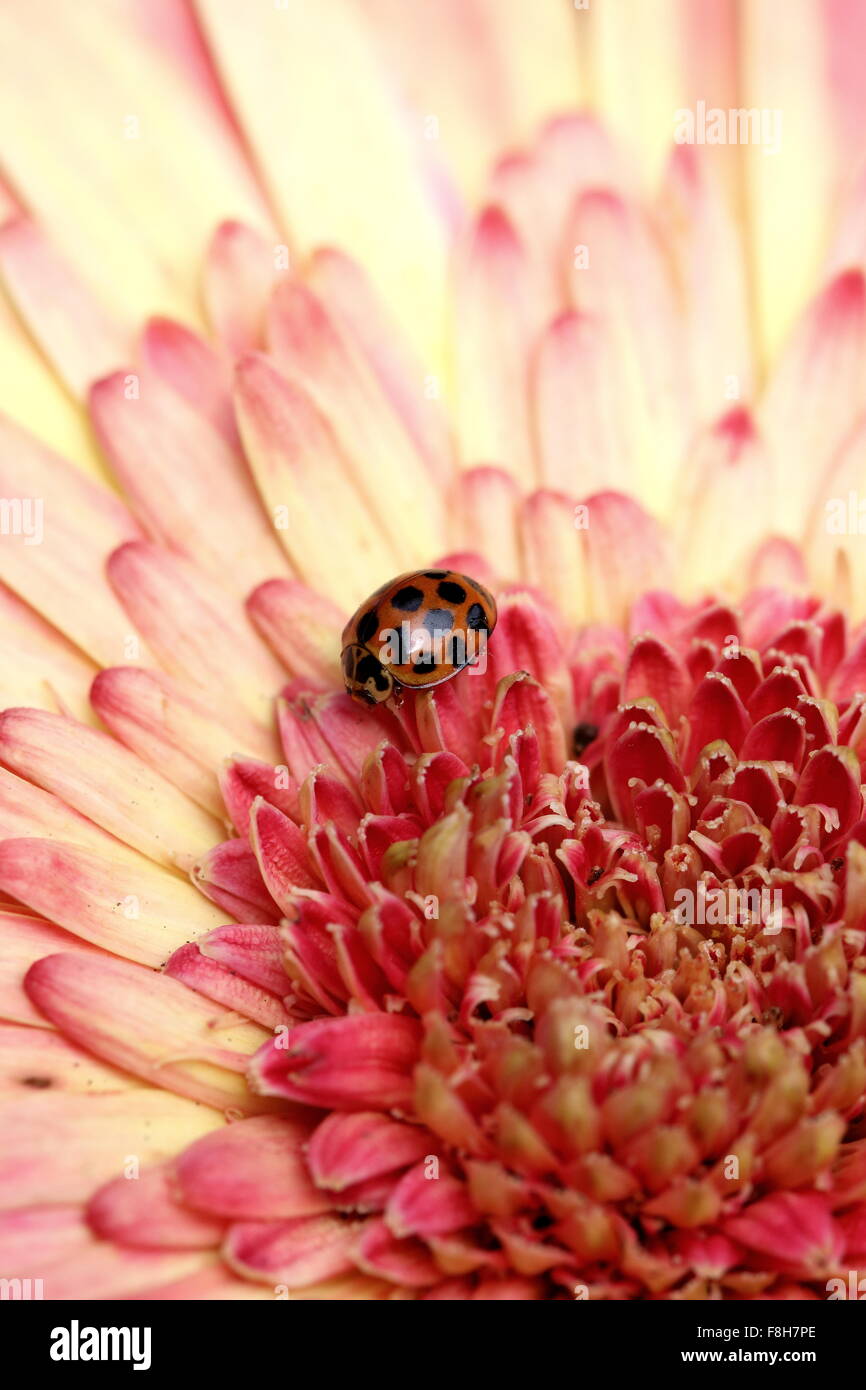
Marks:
<point>396,699</point>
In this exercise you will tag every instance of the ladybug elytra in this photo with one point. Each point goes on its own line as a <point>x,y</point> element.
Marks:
<point>416,631</point>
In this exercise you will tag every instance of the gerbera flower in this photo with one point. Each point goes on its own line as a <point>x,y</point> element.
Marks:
<point>551,982</point>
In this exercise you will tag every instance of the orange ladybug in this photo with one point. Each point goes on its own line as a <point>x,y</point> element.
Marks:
<point>417,630</point>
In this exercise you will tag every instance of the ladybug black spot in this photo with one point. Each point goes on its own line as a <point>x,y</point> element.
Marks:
<point>367,626</point>
<point>451,592</point>
<point>408,599</point>
<point>423,664</point>
<point>435,574</point>
<point>369,669</point>
<point>476,618</point>
<point>439,620</point>
<point>583,736</point>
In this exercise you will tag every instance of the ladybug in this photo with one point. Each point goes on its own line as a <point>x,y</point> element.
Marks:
<point>416,631</point>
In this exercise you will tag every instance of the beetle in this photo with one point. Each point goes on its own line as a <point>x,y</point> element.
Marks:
<point>415,632</point>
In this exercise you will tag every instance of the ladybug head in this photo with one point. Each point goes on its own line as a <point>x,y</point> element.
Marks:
<point>366,679</point>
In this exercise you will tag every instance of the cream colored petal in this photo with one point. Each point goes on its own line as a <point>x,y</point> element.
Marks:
<point>479,74</point>
<point>52,549</point>
<point>25,940</point>
<point>198,634</point>
<point>71,327</point>
<point>239,273</point>
<point>371,328</point>
<point>38,666</point>
<point>32,395</point>
<point>134,910</point>
<point>37,1059</point>
<point>123,144</point>
<point>102,780</point>
<point>725,505</point>
<point>554,556</point>
<point>189,484</point>
<point>61,1148</point>
<point>306,83</point>
<point>151,1025</point>
<point>650,58</point>
<point>310,349</point>
<point>487,505</point>
<point>709,251</point>
<point>816,393</point>
<point>330,534</point>
<point>587,408</point>
<point>496,317</point>
<point>178,733</point>
<point>785,74</point>
<point>836,526</point>
<point>27,810</point>
<point>620,274</point>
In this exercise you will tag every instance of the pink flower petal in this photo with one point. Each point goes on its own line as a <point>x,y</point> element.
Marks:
<point>136,910</point>
<point>144,1213</point>
<point>297,1253</point>
<point>170,729</point>
<point>191,486</point>
<point>251,1170</point>
<point>148,1024</point>
<point>59,1148</point>
<point>300,626</point>
<point>351,1148</point>
<point>347,1063</point>
<point>114,788</point>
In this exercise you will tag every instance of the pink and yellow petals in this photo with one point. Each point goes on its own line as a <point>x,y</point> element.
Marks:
<point>252,1170</point>
<point>54,560</point>
<point>308,484</point>
<point>174,730</point>
<point>39,1059</point>
<point>188,482</point>
<point>95,775</point>
<point>728,473</point>
<point>146,1214</point>
<point>816,393</point>
<point>135,910</point>
<point>53,1243</point>
<point>38,665</point>
<point>73,330</point>
<point>150,1025</point>
<point>195,631</point>
<point>299,624</point>
<point>310,348</point>
<point>60,1148</point>
<point>295,1253</point>
<point>496,314</point>
<point>320,187</point>
<point>119,173</point>
<point>240,270</point>
<point>27,939</point>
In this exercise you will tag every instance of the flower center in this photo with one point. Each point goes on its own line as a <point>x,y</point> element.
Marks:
<point>571,1020</point>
